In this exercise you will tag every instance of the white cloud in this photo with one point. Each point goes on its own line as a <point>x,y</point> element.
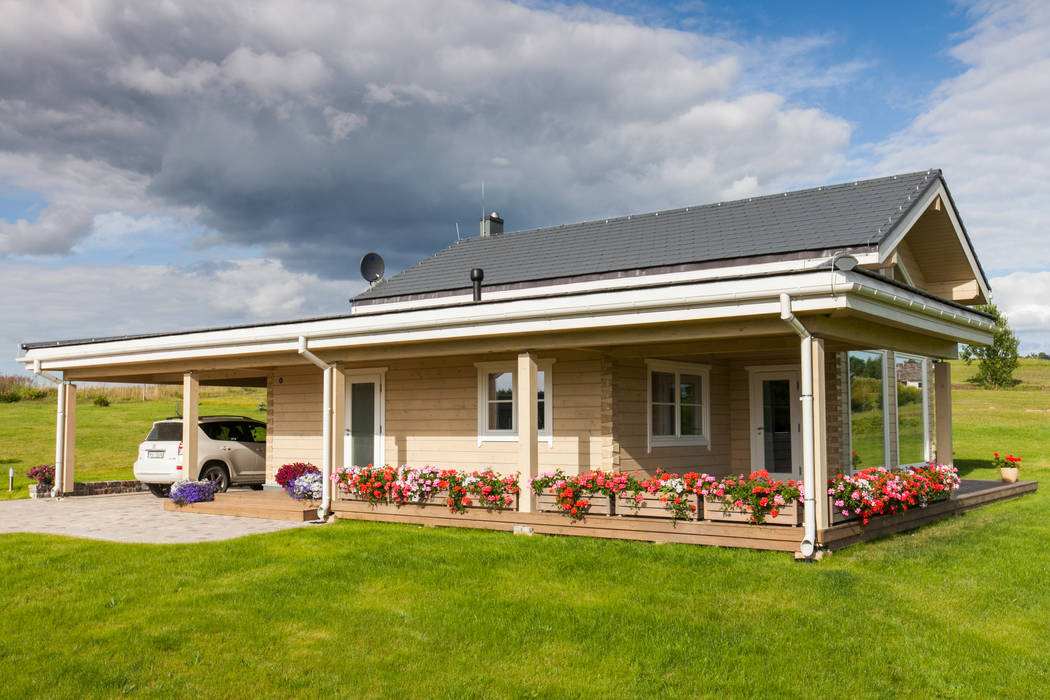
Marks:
<point>1022,296</point>
<point>987,128</point>
<point>340,124</point>
<point>56,230</point>
<point>40,302</point>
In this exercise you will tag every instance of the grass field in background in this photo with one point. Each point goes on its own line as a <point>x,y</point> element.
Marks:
<point>107,436</point>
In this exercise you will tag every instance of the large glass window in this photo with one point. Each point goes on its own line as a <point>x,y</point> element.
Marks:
<point>678,403</point>
<point>912,418</point>
<point>497,409</point>
<point>867,416</point>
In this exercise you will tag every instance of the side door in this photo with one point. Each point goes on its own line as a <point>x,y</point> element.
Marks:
<point>245,455</point>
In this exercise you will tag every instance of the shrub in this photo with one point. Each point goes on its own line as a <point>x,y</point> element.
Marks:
<point>43,474</point>
<point>14,388</point>
<point>100,400</point>
<point>288,473</point>
<point>183,492</point>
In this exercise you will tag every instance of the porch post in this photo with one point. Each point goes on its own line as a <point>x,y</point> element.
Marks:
<point>60,439</point>
<point>942,383</point>
<point>338,416</point>
<point>69,463</point>
<point>190,415</point>
<point>820,435</point>
<point>528,420</point>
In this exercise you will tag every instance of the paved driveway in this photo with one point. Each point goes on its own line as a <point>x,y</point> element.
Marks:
<point>131,517</point>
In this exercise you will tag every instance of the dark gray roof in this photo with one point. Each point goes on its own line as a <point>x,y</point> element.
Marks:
<point>861,213</point>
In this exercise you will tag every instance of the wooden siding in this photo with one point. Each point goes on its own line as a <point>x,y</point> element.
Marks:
<point>630,423</point>
<point>431,415</point>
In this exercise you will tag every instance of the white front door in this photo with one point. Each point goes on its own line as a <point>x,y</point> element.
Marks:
<point>363,433</point>
<point>776,422</point>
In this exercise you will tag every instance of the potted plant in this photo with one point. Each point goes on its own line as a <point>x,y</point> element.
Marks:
<point>44,476</point>
<point>1008,467</point>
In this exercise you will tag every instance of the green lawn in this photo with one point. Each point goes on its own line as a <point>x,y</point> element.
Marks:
<point>107,436</point>
<point>960,608</point>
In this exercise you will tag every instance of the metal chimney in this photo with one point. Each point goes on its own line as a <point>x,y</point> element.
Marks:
<point>491,225</point>
<point>476,275</point>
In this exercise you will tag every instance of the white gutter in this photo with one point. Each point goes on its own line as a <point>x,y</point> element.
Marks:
<point>809,470</point>
<point>60,430</point>
<point>326,429</point>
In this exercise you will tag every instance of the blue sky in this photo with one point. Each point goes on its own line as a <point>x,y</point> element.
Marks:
<point>163,171</point>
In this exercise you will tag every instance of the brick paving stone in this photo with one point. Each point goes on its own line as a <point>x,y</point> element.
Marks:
<point>128,517</point>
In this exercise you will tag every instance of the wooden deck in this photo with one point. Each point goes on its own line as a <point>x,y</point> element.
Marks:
<point>277,505</point>
<point>972,494</point>
<point>272,504</point>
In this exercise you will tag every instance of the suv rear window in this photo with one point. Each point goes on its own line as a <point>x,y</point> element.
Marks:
<point>165,432</point>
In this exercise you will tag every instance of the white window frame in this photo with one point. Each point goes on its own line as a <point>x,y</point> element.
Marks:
<point>926,446</point>
<point>511,366</point>
<point>678,369</point>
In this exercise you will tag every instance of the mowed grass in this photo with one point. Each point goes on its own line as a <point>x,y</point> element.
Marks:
<point>959,608</point>
<point>107,437</point>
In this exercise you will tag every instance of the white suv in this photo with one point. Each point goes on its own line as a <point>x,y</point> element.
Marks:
<point>230,450</point>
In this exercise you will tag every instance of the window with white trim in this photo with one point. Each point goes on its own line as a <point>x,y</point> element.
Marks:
<point>497,408</point>
<point>679,398</point>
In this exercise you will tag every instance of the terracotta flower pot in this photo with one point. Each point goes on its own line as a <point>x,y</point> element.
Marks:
<point>1008,474</point>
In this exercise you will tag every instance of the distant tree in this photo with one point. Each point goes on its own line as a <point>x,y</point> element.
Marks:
<point>996,362</point>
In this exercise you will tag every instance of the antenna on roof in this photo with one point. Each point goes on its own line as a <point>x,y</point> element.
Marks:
<point>482,199</point>
<point>457,232</point>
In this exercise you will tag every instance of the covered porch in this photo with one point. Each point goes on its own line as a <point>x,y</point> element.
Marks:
<point>573,386</point>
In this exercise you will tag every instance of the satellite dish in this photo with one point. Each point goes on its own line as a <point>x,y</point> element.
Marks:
<point>372,267</point>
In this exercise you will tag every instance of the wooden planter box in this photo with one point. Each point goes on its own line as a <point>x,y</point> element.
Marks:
<point>789,514</point>
<point>437,500</point>
<point>836,514</point>
<point>600,504</point>
<point>652,507</point>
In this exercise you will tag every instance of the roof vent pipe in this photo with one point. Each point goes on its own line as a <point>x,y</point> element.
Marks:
<point>491,225</point>
<point>476,276</point>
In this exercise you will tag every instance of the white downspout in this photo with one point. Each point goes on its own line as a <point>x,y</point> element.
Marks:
<point>326,429</point>
<point>60,431</point>
<point>809,470</point>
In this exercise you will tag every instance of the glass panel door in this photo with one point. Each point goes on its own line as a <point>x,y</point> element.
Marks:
<point>776,424</point>
<point>363,441</point>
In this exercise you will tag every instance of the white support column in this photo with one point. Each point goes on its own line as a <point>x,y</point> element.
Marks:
<point>190,415</point>
<point>338,417</point>
<point>528,430</point>
<point>69,463</point>
<point>942,383</point>
<point>326,442</point>
<point>820,435</point>
<point>60,440</point>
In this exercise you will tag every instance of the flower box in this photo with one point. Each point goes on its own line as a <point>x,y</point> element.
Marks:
<point>836,515</point>
<point>600,504</point>
<point>788,514</point>
<point>438,499</point>
<point>650,506</point>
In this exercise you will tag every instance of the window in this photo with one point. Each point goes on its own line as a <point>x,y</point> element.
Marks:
<point>867,393</point>
<point>913,423</point>
<point>497,410</point>
<point>678,400</point>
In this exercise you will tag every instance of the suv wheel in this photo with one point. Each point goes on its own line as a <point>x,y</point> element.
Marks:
<point>216,473</point>
<point>159,490</point>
